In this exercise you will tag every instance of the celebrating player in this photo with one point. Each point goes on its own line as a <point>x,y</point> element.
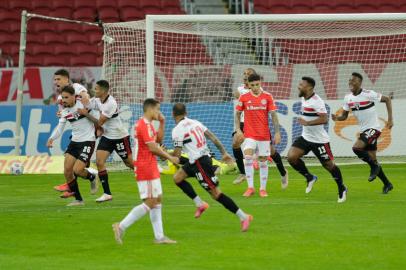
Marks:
<point>115,137</point>
<point>256,105</point>
<point>190,135</point>
<point>314,138</point>
<point>62,79</point>
<point>81,147</point>
<point>147,173</point>
<point>237,141</point>
<point>362,104</point>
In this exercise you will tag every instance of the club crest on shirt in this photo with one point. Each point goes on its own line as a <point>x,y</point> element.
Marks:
<point>263,101</point>
<point>356,105</point>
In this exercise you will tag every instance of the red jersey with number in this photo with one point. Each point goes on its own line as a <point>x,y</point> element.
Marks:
<point>256,114</point>
<point>145,163</point>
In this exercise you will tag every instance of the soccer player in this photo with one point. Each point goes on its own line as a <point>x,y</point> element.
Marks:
<point>237,141</point>
<point>256,105</point>
<point>362,104</point>
<point>190,135</point>
<point>147,174</point>
<point>62,79</point>
<point>115,137</point>
<point>81,147</point>
<point>314,138</point>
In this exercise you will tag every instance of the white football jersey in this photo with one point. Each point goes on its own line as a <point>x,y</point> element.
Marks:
<point>311,109</point>
<point>189,134</point>
<point>113,127</point>
<point>82,128</point>
<point>241,90</point>
<point>78,89</point>
<point>363,108</point>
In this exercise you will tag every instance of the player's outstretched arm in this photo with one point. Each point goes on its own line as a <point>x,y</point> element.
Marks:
<point>275,122</point>
<point>158,151</point>
<point>343,116</point>
<point>56,133</point>
<point>98,122</point>
<point>210,135</point>
<point>387,100</point>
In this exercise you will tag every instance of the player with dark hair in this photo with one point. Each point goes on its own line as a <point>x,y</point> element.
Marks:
<point>146,149</point>
<point>256,105</point>
<point>237,141</point>
<point>114,137</point>
<point>314,138</point>
<point>190,136</point>
<point>81,147</point>
<point>362,104</point>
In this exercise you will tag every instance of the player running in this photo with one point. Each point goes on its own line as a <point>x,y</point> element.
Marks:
<point>81,147</point>
<point>314,138</point>
<point>256,105</point>
<point>115,137</point>
<point>147,174</point>
<point>237,141</point>
<point>362,104</point>
<point>190,136</point>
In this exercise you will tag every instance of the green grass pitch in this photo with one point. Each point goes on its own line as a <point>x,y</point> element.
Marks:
<point>291,230</point>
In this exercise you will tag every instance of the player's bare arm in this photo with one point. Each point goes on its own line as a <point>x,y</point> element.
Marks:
<point>275,122</point>
<point>343,116</point>
<point>98,122</point>
<point>387,100</point>
<point>210,135</point>
<point>321,120</point>
<point>158,151</point>
<point>161,129</point>
<point>237,121</point>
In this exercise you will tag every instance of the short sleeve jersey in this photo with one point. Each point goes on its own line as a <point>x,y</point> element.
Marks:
<point>145,162</point>
<point>312,108</point>
<point>363,108</point>
<point>78,89</point>
<point>256,114</point>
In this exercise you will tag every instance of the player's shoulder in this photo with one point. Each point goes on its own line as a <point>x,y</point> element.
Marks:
<point>368,92</point>
<point>78,87</point>
<point>316,98</point>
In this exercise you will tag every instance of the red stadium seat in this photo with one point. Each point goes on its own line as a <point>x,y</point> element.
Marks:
<point>68,28</point>
<point>94,37</point>
<point>131,14</point>
<point>99,61</point>
<point>79,4</point>
<point>109,15</point>
<point>42,26</point>
<point>85,14</point>
<point>366,6</point>
<point>54,38</point>
<point>323,6</point>
<point>389,6</point>
<point>33,60</point>
<point>62,4</point>
<point>41,50</point>
<point>172,4</point>
<point>83,60</point>
<point>20,4</point>
<point>10,38</point>
<point>84,49</point>
<point>106,4</point>
<point>122,4</point>
<point>278,6</point>
<point>7,15</point>
<point>301,6</point>
<point>57,60</point>
<point>63,12</point>
<point>345,6</point>
<point>9,49</point>
<point>76,38</point>
<point>149,3</point>
<point>42,6</point>
<point>64,49</point>
<point>152,10</point>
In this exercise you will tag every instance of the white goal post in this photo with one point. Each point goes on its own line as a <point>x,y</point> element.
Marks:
<point>199,60</point>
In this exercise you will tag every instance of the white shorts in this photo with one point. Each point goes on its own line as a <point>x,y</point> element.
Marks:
<point>150,189</point>
<point>263,147</point>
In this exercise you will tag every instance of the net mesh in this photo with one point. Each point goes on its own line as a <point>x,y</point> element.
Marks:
<point>202,64</point>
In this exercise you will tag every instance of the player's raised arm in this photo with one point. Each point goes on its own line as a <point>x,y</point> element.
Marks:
<point>210,135</point>
<point>387,100</point>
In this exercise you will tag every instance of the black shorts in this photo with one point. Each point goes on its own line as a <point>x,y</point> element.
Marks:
<point>121,146</point>
<point>321,150</point>
<point>370,138</point>
<point>203,170</point>
<point>81,150</point>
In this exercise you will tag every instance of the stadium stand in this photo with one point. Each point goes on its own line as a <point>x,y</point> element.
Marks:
<point>48,42</point>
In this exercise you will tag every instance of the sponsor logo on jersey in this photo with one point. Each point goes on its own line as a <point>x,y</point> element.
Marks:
<point>251,107</point>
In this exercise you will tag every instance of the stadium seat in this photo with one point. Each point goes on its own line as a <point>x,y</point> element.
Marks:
<point>80,4</point>
<point>9,38</point>
<point>9,49</point>
<point>62,4</point>
<point>131,14</point>
<point>109,15</point>
<point>366,6</point>
<point>323,6</point>
<point>42,6</point>
<point>122,4</point>
<point>106,4</point>
<point>7,15</point>
<point>57,60</point>
<point>149,3</point>
<point>83,60</point>
<point>64,49</point>
<point>94,37</point>
<point>344,6</point>
<point>172,4</point>
<point>84,49</point>
<point>33,60</point>
<point>54,38</point>
<point>76,38</point>
<point>20,5</point>
<point>301,6</point>
<point>85,14</point>
<point>389,6</point>
<point>68,28</point>
<point>41,49</point>
<point>42,26</point>
<point>99,61</point>
<point>63,12</point>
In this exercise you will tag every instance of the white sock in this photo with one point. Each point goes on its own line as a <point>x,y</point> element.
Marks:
<point>249,171</point>
<point>263,173</point>
<point>198,201</point>
<point>156,220</point>
<point>135,214</point>
<point>241,214</point>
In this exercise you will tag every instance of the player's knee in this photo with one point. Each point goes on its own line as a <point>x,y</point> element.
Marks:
<point>100,163</point>
<point>328,165</point>
<point>292,159</point>
<point>128,162</point>
<point>215,194</point>
<point>358,151</point>
<point>262,158</point>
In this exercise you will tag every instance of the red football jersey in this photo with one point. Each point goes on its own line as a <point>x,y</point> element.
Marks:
<point>145,163</point>
<point>256,114</point>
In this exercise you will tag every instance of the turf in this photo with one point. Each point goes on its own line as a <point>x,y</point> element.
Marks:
<point>291,230</point>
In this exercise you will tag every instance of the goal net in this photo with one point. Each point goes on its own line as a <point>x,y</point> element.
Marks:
<point>199,60</point>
